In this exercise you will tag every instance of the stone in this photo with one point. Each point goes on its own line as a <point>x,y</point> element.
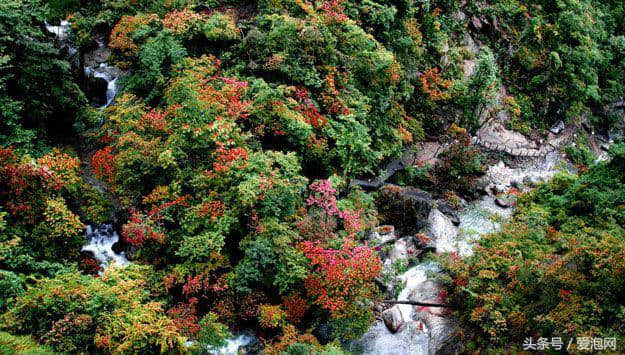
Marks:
<point>402,249</point>
<point>97,56</point>
<point>495,136</point>
<point>407,208</point>
<point>393,319</point>
<point>410,339</point>
<point>427,291</point>
<point>95,89</point>
<point>255,346</point>
<point>440,327</point>
<point>557,128</point>
<point>497,189</point>
<point>383,235</point>
<point>586,125</point>
<point>386,230</point>
<point>460,16</point>
<point>482,184</point>
<point>476,22</point>
<point>468,67</point>
<point>323,332</point>
<point>441,335</point>
<point>532,181</point>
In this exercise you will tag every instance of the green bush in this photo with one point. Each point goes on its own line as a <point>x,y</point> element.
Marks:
<point>74,312</point>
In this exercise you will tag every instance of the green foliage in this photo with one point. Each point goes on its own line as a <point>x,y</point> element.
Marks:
<point>32,105</point>
<point>212,333</point>
<point>12,344</point>
<point>580,155</point>
<point>11,286</point>
<point>155,60</point>
<point>564,60</point>
<point>229,109</point>
<point>460,164</point>
<point>480,91</point>
<point>40,230</point>
<point>271,260</point>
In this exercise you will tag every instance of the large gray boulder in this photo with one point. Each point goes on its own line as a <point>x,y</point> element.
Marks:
<point>407,208</point>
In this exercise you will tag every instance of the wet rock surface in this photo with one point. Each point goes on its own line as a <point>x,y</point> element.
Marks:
<point>97,56</point>
<point>502,202</point>
<point>558,127</point>
<point>383,235</point>
<point>402,249</point>
<point>95,89</point>
<point>102,74</point>
<point>410,339</point>
<point>407,207</point>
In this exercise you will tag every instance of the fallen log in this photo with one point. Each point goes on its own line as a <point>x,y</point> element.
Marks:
<point>376,182</point>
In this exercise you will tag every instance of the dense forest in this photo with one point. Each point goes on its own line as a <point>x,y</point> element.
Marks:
<point>312,176</point>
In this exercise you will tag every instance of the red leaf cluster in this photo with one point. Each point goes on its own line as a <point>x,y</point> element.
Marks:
<point>340,277</point>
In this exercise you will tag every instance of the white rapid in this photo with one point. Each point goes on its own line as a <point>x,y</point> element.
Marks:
<point>428,330</point>
<point>233,345</point>
<point>61,31</point>
<point>410,340</point>
<point>412,278</point>
<point>110,75</point>
<point>100,243</point>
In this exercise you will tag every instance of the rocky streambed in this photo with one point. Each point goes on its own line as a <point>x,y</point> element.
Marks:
<point>409,329</point>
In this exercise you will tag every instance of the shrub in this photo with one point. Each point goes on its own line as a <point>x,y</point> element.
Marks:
<point>461,164</point>
<point>74,312</point>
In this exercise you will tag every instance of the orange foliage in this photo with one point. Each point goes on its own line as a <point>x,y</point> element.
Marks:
<point>121,35</point>
<point>433,84</point>
<point>295,307</point>
<point>179,22</point>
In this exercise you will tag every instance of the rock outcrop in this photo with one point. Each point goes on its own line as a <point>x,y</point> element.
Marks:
<point>405,207</point>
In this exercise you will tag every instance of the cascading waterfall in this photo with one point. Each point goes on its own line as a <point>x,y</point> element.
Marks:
<point>110,75</point>
<point>102,238</point>
<point>234,343</point>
